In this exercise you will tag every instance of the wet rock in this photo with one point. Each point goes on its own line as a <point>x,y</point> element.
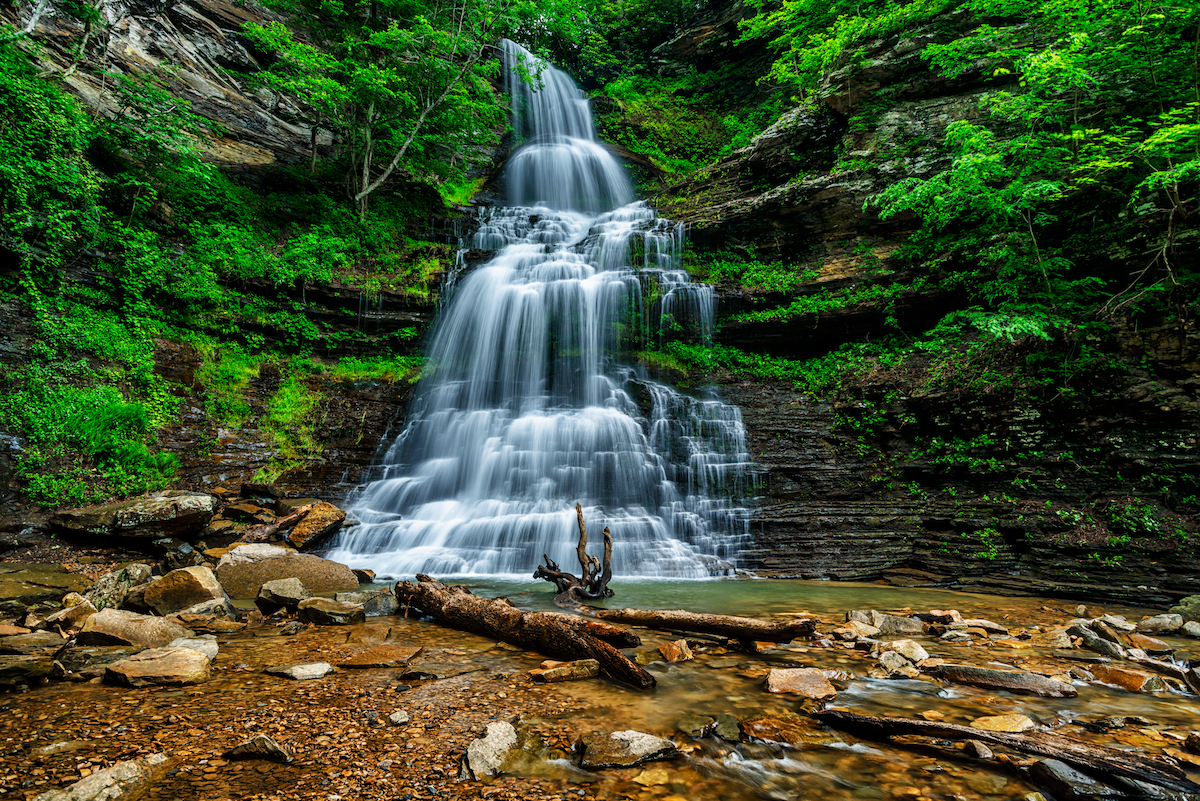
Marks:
<point>205,644</point>
<point>1012,680</point>
<point>677,651</point>
<point>281,594</point>
<point>977,750</point>
<point>375,603</point>
<point>120,627</point>
<point>892,665</point>
<point>623,749</point>
<point>363,575</point>
<point>23,586</point>
<point>958,636</point>
<point>38,643</point>
<point>176,553</point>
<point>173,667</point>
<point>552,671</point>
<point>986,625</point>
<point>382,656</point>
<point>217,607</point>
<point>71,617</point>
<point>260,746</point>
<point>124,780</point>
<point>696,725</point>
<point>1117,622</point>
<point>322,520</point>
<point>1160,624</point>
<point>1149,644</point>
<point>327,612</point>
<point>28,670</point>
<point>82,664</point>
<point>182,589</point>
<point>1065,782</point>
<point>1190,629</point>
<point>1193,743</point>
<point>247,512</point>
<point>302,671</point>
<point>175,513</point>
<point>1127,679</point>
<point>728,728</point>
<point>909,649</point>
<point>242,577</point>
<point>398,718</point>
<point>806,682</point>
<point>1188,608</point>
<point>487,755</point>
<point>945,616</point>
<point>1053,638</point>
<point>1009,723</point>
<point>790,729</point>
<point>1094,642</point>
<point>110,590</point>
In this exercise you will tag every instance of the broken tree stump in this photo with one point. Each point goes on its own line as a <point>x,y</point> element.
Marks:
<point>1099,759</point>
<point>593,579</point>
<point>554,634</point>
<point>738,628</point>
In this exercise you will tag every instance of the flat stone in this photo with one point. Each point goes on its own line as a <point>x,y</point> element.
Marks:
<point>302,671</point>
<point>247,512</point>
<point>12,631</point>
<point>123,781</point>
<point>1052,638</point>
<point>623,749</point>
<point>172,667</point>
<point>375,603</point>
<point>894,624</point>
<point>790,729</point>
<point>327,612</point>
<point>1012,680</point>
<point>281,594</point>
<point>677,651</point>
<point>217,607</point>
<point>322,520</point>
<point>695,725</point>
<point>1132,680</point>
<point>260,746</point>
<point>1009,723</point>
<point>1064,781</point>
<point>183,588</point>
<point>1117,622</point>
<point>806,682</point>
<point>23,585</point>
<point>986,625</point>
<point>893,664</point>
<point>1160,624</point>
<point>566,671</point>
<point>909,649</point>
<point>382,656</point>
<point>242,579</point>
<point>945,616</point>
<point>38,643</point>
<point>1151,645</point>
<point>205,644</point>
<point>16,670</point>
<point>119,627</point>
<point>248,553</point>
<point>82,664</point>
<point>486,755</point>
<point>71,617</point>
<point>174,513</point>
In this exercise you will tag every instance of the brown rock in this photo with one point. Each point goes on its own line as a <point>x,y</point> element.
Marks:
<point>182,589</point>
<point>119,627</point>
<point>174,513</point>
<point>172,667</point>
<point>16,670</point>
<point>1012,680</point>
<point>281,594</point>
<point>326,612</point>
<point>71,617</point>
<point>322,520</point>
<point>1193,743</point>
<point>1010,723</point>
<point>11,631</point>
<point>566,671</point>
<point>790,729</point>
<point>945,616</point>
<point>38,643</point>
<point>623,749</point>
<point>1134,681</point>
<point>1151,645</point>
<point>319,576</point>
<point>246,512</point>
<point>677,651</point>
<point>363,575</point>
<point>976,749</point>
<point>124,781</point>
<point>806,682</point>
<point>382,656</point>
<point>260,746</point>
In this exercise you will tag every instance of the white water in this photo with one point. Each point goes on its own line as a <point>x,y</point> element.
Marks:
<point>525,409</point>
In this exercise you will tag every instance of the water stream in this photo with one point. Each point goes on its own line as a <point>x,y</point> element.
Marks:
<point>529,402</point>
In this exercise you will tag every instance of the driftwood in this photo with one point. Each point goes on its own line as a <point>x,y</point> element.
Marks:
<point>592,582</point>
<point>1100,759</point>
<point>738,628</point>
<point>264,532</point>
<point>554,634</point>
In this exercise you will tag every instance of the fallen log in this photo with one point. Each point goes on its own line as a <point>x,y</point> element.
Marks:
<point>264,532</point>
<point>554,634</point>
<point>738,628</point>
<point>1099,759</point>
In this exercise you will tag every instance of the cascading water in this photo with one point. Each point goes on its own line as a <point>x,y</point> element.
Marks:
<point>524,409</point>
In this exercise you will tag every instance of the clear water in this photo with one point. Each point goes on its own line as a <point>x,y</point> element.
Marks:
<point>529,404</point>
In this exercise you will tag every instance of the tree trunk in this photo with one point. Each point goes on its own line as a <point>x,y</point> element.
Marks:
<point>738,628</point>
<point>554,634</point>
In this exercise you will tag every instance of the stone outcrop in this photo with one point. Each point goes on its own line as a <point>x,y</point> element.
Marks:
<point>174,513</point>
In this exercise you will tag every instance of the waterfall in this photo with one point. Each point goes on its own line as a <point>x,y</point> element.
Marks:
<point>527,404</point>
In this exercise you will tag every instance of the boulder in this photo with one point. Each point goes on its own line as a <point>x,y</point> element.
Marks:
<point>205,644</point>
<point>302,671</point>
<point>1188,608</point>
<point>110,590</point>
<point>119,627</point>
<point>124,780</point>
<point>623,749</point>
<point>1190,629</point>
<point>18,670</point>
<point>1012,680</point>
<point>375,603</point>
<point>71,617</point>
<point>38,643</point>
<point>172,667</point>
<point>487,755</point>
<point>552,671</point>
<point>326,612</point>
<point>22,586</point>
<point>322,520</point>
<point>1160,624</point>
<point>282,594</point>
<point>363,575</point>
<point>886,624</point>
<point>182,589</point>
<point>1014,723</point>
<point>242,578</point>
<point>82,664</point>
<point>382,656</point>
<point>806,682</point>
<point>175,513</point>
<point>260,746</point>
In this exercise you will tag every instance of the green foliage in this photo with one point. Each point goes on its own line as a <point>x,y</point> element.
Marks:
<point>380,368</point>
<point>223,375</point>
<point>826,301</point>
<point>750,272</point>
<point>292,419</point>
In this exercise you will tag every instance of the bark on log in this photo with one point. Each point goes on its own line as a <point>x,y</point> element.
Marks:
<point>593,580</point>
<point>264,532</point>
<point>738,628</point>
<point>554,634</point>
<point>1099,759</point>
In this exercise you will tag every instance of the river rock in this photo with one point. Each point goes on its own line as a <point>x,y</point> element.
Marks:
<point>695,725</point>
<point>986,625</point>
<point>806,682</point>
<point>1056,637</point>
<point>1064,781</point>
<point>38,643</point>
<point>977,750</point>
<point>1190,629</point>
<point>16,670</point>
<point>1160,624</point>
<point>887,624</point>
<point>281,594</point>
<point>1014,723</point>
<point>182,589</point>
<point>623,749</point>
<point>487,755</point>
<point>790,729</point>
<point>1193,743</point>
<point>82,664</point>
<point>1094,642</point>
<point>242,579</point>
<point>175,513</point>
<point>322,520</point>
<point>260,746</point>
<point>22,586</point>
<point>1117,622</point>
<point>1151,645</point>
<point>677,651</point>
<point>248,553</point>
<point>303,671</point>
<point>124,780</point>
<point>375,603</point>
<point>1132,680</point>
<point>119,627</point>
<point>172,667</point>
<point>71,617</point>
<point>382,656</point>
<point>893,664</point>
<point>12,631</point>
<point>204,643</point>
<point>728,728</point>
<point>363,575</point>
<point>551,671</point>
<point>326,612</point>
<point>909,649</point>
<point>1188,608</point>
<point>945,616</point>
<point>110,590</point>
<point>217,607</point>
<point>1012,680</point>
